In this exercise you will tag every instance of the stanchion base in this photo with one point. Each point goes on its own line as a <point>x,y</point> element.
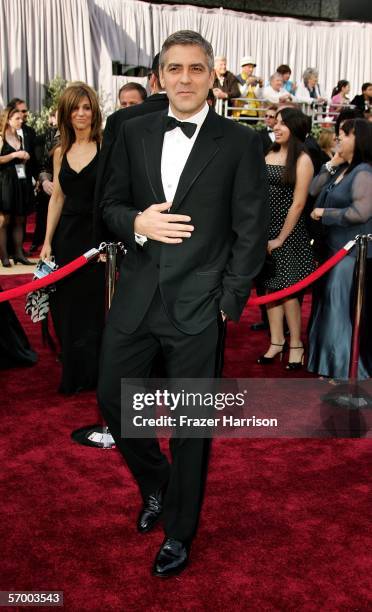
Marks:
<point>349,397</point>
<point>94,435</point>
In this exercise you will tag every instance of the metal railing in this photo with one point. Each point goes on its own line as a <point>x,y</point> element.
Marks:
<point>253,110</point>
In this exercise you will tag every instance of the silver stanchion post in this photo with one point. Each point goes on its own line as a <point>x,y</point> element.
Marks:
<point>110,273</point>
<point>351,395</point>
<point>358,307</point>
<point>98,435</point>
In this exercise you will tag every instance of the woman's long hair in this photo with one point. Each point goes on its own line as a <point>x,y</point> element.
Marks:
<point>363,141</point>
<point>336,90</point>
<point>68,102</point>
<point>298,125</point>
<point>7,113</point>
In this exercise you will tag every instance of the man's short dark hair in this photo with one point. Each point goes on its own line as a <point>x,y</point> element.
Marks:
<point>365,86</point>
<point>284,69</point>
<point>188,37</point>
<point>155,67</point>
<point>345,115</point>
<point>132,85</point>
<point>15,101</point>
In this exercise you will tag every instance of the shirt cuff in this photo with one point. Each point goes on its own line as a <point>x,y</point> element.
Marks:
<point>140,239</point>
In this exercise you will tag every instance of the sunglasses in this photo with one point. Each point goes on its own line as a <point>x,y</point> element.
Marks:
<point>269,116</point>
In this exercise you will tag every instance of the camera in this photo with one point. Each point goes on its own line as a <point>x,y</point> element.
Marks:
<point>44,268</point>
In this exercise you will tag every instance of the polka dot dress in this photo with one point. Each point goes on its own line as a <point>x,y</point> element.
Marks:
<point>294,260</point>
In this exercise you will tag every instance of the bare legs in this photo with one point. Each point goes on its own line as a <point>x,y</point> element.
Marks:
<point>291,310</point>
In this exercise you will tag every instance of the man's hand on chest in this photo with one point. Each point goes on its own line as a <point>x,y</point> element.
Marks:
<point>156,224</point>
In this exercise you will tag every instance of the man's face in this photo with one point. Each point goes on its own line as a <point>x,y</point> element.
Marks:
<point>186,78</point>
<point>270,118</point>
<point>368,92</point>
<point>130,97</point>
<point>22,108</point>
<point>248,69</point>
<point>277,83</point>
<point>220,66</point>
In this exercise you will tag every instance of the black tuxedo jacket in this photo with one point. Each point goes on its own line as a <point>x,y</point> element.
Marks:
<point>152,104</point>
<point>265,139</point>
<point>223,188</point>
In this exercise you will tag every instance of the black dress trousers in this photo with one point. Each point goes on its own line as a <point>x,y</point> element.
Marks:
<point>185,356</point>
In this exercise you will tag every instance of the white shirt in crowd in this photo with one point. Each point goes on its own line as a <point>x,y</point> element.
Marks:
<point>274,96</point>
<point>303,94</point>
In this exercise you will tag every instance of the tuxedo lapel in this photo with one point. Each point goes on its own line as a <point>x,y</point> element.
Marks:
<point>152,143</point>
<point>203,151</point>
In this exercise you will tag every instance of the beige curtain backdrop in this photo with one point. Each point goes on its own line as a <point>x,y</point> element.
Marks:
<point>79,39</point>
<point>40,39</point>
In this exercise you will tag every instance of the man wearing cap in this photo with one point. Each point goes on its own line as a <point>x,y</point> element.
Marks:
<point>250,85</point>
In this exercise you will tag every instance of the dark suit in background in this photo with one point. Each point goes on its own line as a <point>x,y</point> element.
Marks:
<point>170,295</point>
<point>266,141</point>
<point>152,104</point>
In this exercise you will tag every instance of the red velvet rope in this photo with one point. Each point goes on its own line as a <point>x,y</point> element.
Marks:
<point>265,299</point>
<point>305,282</point>
<point>47,280</point>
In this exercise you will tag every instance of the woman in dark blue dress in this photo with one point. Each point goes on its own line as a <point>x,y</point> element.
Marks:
<point>78,303</point>
<point>344,207</point>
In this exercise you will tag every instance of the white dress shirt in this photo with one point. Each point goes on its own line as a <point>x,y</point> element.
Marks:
<point>271,134</point>
<point>176,150</point>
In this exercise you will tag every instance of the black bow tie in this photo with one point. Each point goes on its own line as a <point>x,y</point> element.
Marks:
<point>188,128</point>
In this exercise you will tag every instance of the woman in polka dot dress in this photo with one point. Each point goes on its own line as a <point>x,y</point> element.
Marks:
<point>290,171</point>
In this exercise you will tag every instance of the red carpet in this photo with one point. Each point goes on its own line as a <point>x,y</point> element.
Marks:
<point>285,524</point>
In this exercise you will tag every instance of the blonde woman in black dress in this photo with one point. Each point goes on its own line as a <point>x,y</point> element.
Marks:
<point>78,304</point>
<point>290,171</point>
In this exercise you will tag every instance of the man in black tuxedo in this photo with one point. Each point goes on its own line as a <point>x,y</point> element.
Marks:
<point>267,133</point>
<point>188,196</point>
<point>157,101</point>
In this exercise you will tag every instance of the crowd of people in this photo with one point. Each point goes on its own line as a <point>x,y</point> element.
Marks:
<point>58,179</point>
<point>198,200</point>
<point>279,87</point>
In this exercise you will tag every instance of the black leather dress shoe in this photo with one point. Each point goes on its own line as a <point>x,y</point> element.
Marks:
<point>171,559</point>
<point>151,511</point>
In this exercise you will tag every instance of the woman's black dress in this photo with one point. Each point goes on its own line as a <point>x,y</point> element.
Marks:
<point>16,194</point>
<point>294,260</point>
<point>78,304</point>
<point>15,349</point>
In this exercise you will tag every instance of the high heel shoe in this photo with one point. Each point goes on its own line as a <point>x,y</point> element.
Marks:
<point>262,360</point>
<point>22,260</point>
<point>6,263</point>
<point>296,365</point>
